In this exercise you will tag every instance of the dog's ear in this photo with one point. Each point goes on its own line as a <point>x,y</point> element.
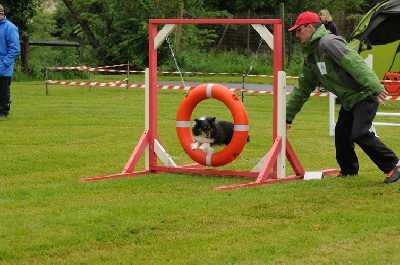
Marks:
<point>196,120</point>
<point>212,119</point>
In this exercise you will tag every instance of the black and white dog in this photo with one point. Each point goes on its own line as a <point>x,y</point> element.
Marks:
<point>208,132</point>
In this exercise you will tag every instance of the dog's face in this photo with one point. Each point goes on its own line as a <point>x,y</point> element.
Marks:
<point>204,127</point>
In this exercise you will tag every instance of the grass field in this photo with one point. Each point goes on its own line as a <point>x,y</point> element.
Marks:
<point>51,141</point>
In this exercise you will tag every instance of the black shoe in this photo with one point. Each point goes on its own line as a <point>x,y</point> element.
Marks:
<point>393,175</point>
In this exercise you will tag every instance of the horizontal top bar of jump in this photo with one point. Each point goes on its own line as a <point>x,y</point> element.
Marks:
<point>215,21</point>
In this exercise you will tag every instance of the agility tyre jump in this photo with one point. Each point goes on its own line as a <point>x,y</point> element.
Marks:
<point>240,120</point>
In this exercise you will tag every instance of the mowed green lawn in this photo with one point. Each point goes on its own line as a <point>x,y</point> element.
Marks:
<point>47,216</point>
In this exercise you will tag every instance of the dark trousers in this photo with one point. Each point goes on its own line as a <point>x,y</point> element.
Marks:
<point>5,95</point>
<point>353,127</point>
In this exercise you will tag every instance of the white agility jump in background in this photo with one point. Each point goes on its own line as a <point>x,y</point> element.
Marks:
<point>332,97</point>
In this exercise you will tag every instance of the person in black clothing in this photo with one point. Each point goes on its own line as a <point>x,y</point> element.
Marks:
<point>326,18</point>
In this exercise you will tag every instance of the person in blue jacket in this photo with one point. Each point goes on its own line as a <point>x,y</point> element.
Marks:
<point>342,71</point>
<point>9,50</point>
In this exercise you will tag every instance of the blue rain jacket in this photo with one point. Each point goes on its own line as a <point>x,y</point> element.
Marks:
<point>9,47</point>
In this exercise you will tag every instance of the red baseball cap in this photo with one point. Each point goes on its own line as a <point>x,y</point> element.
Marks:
<point>305,18</point>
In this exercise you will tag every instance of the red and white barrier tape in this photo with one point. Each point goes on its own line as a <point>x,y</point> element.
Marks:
<point>72,83</point>
<point>218,73</point>
<point>119,81</point>
<point>115,65</point>
<point>211,73</point>
<point>102,69</point>
<point>88,68</point>
<point>70,68</point>
<point>208,73</point>
<point>115,84</point>
<point>107,70</point>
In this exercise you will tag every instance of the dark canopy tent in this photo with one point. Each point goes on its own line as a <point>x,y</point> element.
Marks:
<point>380,27</point>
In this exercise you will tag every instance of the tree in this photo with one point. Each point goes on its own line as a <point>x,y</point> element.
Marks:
<point>83,23</point>
<point>116,31</point>
<point>20,12</point>
<point>242,6</point>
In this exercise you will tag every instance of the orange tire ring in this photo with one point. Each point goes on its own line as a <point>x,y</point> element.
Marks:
<point>240,120</point>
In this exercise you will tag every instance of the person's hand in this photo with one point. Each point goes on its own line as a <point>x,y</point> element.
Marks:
<point>381,97</point>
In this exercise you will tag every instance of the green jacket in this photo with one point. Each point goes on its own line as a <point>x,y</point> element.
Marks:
<point>344,73</point>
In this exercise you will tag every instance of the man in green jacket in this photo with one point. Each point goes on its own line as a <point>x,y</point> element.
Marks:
<point>343,72</point>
